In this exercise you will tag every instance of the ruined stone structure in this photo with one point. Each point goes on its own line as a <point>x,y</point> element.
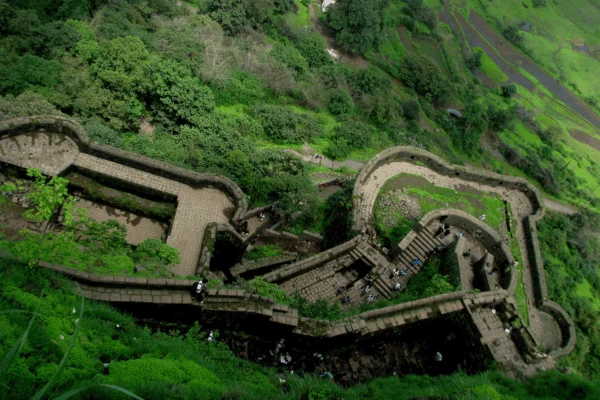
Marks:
<point>206,203</point>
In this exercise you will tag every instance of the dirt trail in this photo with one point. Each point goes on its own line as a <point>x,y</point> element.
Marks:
<point>509,52</point>
<point>309,156</point>
<point>559,207</point>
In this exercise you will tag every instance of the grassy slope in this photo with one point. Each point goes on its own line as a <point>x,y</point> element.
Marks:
<point>554,26</point>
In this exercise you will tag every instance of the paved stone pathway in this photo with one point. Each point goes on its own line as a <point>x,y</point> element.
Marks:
<point>52,153</point>
<point>196,208</point>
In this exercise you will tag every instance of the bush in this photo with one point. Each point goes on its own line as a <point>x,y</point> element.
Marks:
<point>156,248</point>
<point>424,76</point>
<point>282,125</point>
<point>411,110</point>
<point>339,102</point>
<point>101,133</point>
<point>350,134</point>
<point>509,90</point>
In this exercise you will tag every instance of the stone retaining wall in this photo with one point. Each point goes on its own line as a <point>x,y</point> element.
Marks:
<point>310,263</point>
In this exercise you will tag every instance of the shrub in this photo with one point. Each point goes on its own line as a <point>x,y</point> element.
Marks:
<point>282,125</point>
<point>424,76</point>
<point>509,90</point>
<point>411,110</point>
<point>339,102</point>
<point>156,248</point>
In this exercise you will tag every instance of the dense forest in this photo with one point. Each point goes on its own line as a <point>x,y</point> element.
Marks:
<point>231,86</point>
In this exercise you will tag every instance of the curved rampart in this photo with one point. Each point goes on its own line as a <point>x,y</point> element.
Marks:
<point>74,130</point>
<point>435,163</point>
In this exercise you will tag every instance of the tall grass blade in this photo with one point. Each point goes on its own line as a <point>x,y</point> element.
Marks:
<point>73,392</point>
<point>61,366</point>
<point>16,349</point>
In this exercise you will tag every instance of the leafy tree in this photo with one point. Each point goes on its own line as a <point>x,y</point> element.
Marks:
<point>356,24</point>
<point>87,47</point>
<point>509,90</point>
<point>30,73</point>
<point>512,34</point>
<point>287,54</point>
<point>235,15</point>
<point>339,102</point>
<point>414,9</point>
<point>314,49</point>
<point>350,134</point>
<point>499,119</point>
<point>179,43</point>
<point>474,61</point>
<point>424,76</point>
<point>370,81</point>
<point>383,110</point>
<point>25,104</point>
<point>179,97</point>
<point>122,65</point>
<point>466,132</point>
<point>283,125</point>
<point>48,196</point>
<point>411,110</point>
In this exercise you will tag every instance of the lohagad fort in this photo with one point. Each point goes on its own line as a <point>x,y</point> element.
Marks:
<point>482,321</point>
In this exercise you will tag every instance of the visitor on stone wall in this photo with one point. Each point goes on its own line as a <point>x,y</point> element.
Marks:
<point>482,217</point>
<point>395,272</point>
<point>341,290</point>
<point>397,286</point>
<point>467,253</point>
<point>404,272</point>
<point>367,289</point>
<point>439,231</point>
<point>346,300</point>
<point>370,299</point>
<point>261,216</point>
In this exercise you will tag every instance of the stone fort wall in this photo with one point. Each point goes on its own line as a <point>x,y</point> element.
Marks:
<point>75,131</point>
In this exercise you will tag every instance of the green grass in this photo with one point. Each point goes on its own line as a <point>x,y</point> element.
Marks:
<point>300,19</point>
<point>262,251</point>
<point>490,68</point>
<point>435,197</point>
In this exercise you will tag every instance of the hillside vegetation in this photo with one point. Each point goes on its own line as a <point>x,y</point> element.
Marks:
<point>228,87</point>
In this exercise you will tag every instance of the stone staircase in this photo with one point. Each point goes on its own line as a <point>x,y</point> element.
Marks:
<point>421,247</point>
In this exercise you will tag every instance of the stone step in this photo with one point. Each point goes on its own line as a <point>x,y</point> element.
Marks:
<point>407,263</point>
<point>420,246</point>
<point>382,287</point>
